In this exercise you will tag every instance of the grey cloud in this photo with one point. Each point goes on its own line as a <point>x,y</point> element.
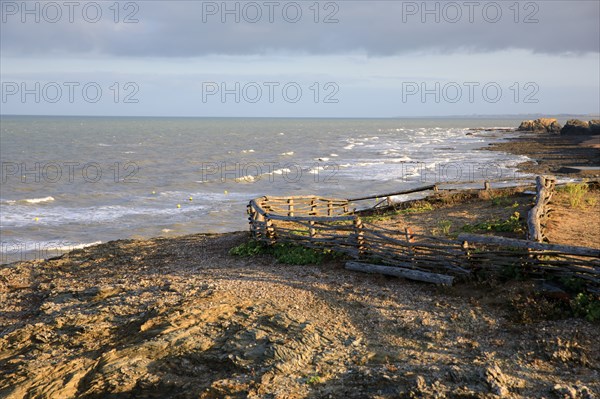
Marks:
<point>378,28</point>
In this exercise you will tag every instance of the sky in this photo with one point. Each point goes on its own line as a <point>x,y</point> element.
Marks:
<point>310,58</point>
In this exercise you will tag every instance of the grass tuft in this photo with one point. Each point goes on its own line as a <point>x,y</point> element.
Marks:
<point>514,224</point>
<point>286,253</point>
<point>576,193</point>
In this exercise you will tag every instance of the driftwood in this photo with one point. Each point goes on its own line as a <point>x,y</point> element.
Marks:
<point>400,272</point>
<point>538,214</point>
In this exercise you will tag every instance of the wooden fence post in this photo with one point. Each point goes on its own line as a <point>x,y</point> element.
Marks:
<point>270,231</point>
<point>538,214</point>
<point>251,216</point>
<point>360,236</point>
<point>465,247</point>
<point>408,234</point>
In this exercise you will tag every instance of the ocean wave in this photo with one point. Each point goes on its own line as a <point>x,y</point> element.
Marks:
<point>31,200</point>
<point>93,215</point>
<point>281,171</point>
<point>39,200</point>
<point>246,179</point>
<point>69,246</point>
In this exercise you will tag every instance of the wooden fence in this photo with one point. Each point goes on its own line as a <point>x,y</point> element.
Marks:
<point>327,223</point>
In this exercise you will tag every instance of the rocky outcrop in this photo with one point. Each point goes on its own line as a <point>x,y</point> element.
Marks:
<point>541,125</point>
<point>576,127</point>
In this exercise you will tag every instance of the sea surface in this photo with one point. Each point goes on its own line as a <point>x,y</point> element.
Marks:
<point>68,182</point>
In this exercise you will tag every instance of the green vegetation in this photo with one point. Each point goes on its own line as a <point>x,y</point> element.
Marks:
<point>297,255</point>
<point>444,227</point>
<point>501,201</point>
<point>533,306</point>
<point>586,306</point>
<point>514,224</point>
<point>417,207</point>
<point>511,272</point>
<point>286,253</point>
<point>247,249</point>
<point>315,379</point>
<point>576,193</point>
<point>592,201</point>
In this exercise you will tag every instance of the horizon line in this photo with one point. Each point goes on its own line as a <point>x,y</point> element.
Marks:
<point>311,117</point>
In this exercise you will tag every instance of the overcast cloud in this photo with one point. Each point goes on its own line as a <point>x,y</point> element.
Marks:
<point>377,28</point>
<point>365,47</point>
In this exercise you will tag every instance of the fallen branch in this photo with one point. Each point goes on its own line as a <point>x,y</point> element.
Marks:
<point>400,272</point>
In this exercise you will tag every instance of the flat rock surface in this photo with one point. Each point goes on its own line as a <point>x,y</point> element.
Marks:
<point>552,152</point>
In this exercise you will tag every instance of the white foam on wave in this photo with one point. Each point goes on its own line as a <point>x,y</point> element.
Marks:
<point>91,215</point>
<point>246,151</point>
<point>31,200</point>
<point>400,160</point>
<point>70,246</point>
<point>39,200</point>
<point>246,179</point>
<point>281,171</point>
<point>287,153</point>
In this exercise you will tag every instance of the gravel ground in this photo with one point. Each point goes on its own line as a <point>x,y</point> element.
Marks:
<point>182,318</point>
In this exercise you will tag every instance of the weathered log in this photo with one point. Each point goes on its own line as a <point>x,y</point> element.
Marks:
<point>516,243</point>
<point>544,188</point>
<point>400,272</point>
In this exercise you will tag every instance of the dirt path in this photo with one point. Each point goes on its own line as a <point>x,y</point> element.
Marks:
<point>575,225</point>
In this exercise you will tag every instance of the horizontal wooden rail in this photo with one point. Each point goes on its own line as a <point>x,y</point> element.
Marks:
<point>516,243</point>
<point>412,190</point>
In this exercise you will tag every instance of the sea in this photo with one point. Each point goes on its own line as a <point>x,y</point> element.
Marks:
<point>70,182</point>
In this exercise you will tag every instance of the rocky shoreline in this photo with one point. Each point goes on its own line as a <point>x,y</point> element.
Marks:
<point>556,150</point>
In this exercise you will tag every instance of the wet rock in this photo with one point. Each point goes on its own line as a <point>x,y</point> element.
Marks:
<point>541,125</point>
<point>576,127</point>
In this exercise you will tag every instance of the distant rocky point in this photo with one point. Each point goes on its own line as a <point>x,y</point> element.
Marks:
<point>576,127</point>
<point>541,125</point>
